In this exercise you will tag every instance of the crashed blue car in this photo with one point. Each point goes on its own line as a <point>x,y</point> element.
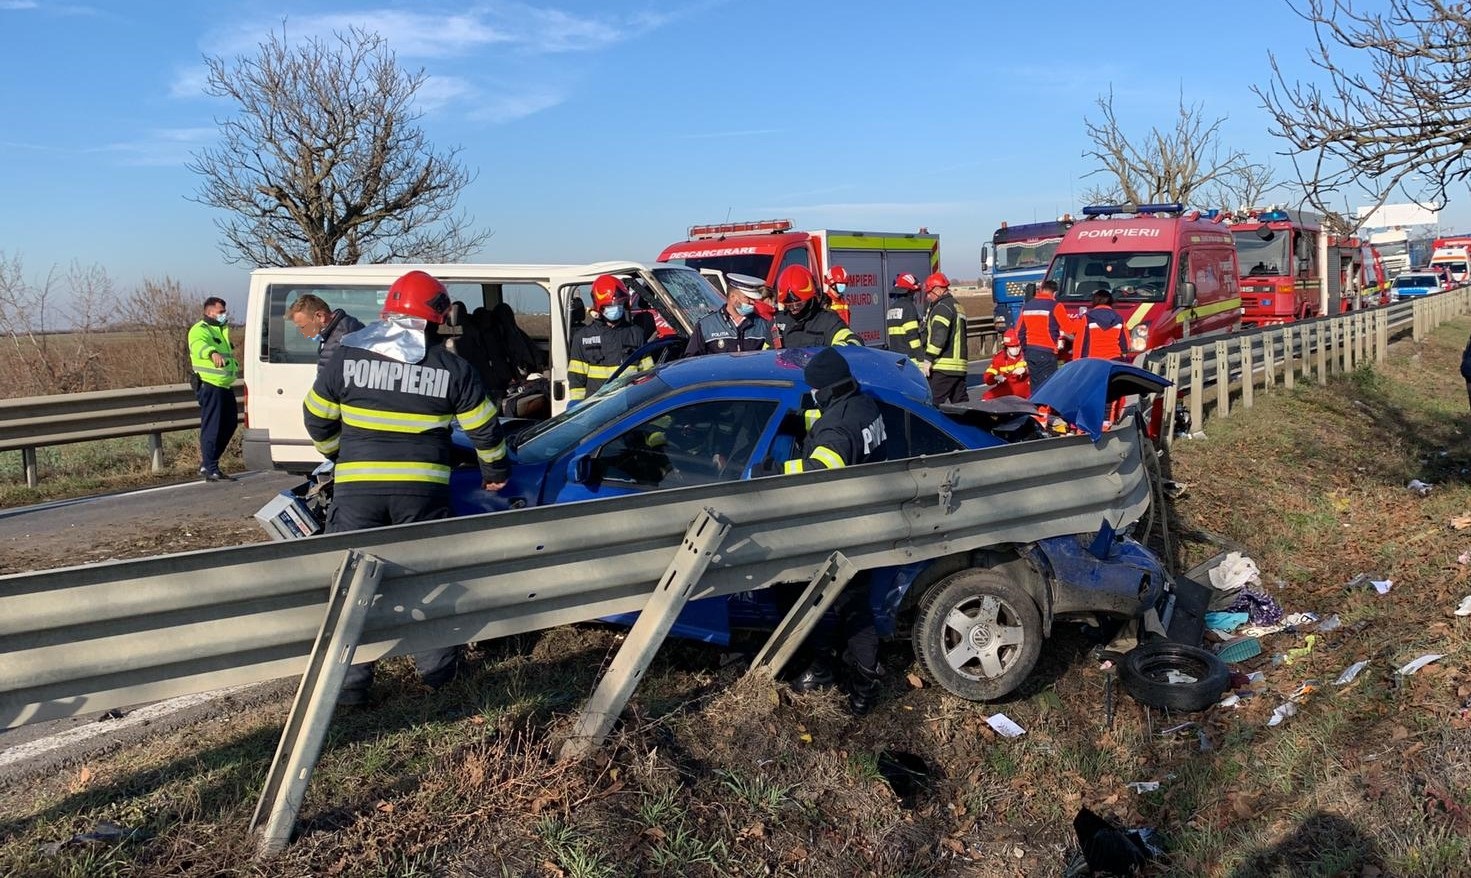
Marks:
<point>977,632</point>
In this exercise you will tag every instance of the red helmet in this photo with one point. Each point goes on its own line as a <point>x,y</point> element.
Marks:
<point>795,285</point>
<point>418,294</point>
<point>936,281</point>
<point>907,281</point>
<point>606,290</point>
<point>1011,339</point>
<point>837,275</point>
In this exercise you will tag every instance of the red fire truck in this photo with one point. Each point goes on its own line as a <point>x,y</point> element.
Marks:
<point>1172,274</point>
<point>762,249</point>
<point>1280,276</point>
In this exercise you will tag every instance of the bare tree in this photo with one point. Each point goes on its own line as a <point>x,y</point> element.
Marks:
<point>162,313</point>
<point>325,164</point>
<point>51,348</point>
<point>1249,186</point>
<point>1171,165</point>
<point>1393,116</point>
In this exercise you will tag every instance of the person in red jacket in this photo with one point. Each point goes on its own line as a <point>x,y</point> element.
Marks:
<point>1102,334</point>
<point>1007,374</point>
<point>837,283</point>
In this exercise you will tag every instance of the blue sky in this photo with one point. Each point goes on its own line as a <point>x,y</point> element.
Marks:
<point>603,130</point>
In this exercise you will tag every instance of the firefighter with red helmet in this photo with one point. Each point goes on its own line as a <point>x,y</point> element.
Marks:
<point>605,343</point>
<point>803,322</point>
<point>382,409</point>
<point>944,341</point>
<point>902,317</point>
<point>1007,374</point>
<point>836,284</point>
<point>1102,335</point>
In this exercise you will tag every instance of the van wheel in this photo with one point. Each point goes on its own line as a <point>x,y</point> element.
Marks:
<point>978,634</point>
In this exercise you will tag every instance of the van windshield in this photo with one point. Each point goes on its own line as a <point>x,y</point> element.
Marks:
<point>544,441</point>
<point>1130,277</point>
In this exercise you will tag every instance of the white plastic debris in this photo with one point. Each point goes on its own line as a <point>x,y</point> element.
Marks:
<point>1419,663</point>
<point>1005,726</point>
<point>1143,786</point>
<point>1232,701</point>
<point>1464,558</point>
<point>1382,585</point>
<point>1282,713</point>
<point>1465,608</point>
<point>1350,672</point>
<point>1235,572</point>
<point>1332,623</point>
<point>1421,489</point>
<point>1177,678</point>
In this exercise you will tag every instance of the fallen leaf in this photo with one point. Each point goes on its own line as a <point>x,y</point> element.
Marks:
<point>954,845</point>
<point>1461,522</point>
<point>553,869</point>
<point>385,807</point>
<point>83,776</point>
<point>655,833</point>
<point>477,720</point>
<point>540,802</point>
<point>915,681</point>
<point>1399,733</point>
<point>755,830</point>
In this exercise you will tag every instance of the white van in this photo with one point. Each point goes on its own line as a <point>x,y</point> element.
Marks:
<point>280,364</point>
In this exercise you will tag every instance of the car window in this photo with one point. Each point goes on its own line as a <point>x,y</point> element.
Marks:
<point>544,441</point>
<point>909,435</point>
<point>696,444</point>
<point>694,294</point>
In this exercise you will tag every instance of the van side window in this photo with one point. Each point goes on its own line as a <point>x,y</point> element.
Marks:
<point>280,341</point>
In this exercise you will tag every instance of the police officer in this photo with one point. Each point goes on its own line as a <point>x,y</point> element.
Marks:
<point>944,348</point>
<point>849,430</point>
<point>382,410</point>
<point>1040,333</point>
<point>902,318</point>
<point>737,326</point>
<point>803,322</point>
<point>215,368</point>
<point>605,343</point>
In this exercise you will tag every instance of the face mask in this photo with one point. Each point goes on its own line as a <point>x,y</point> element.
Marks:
<point>1012,352</point>
<point>745,309</point>
<point>222,318</point>
<point>317,338</point>
<point>840,288</point>
<point>613,313</point>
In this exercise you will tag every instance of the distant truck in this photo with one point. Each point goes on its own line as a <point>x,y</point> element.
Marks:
<point>1018,256</point>
<point>1280,275</point>
<point>763,248</point>
<point>1451,257</point>
<point>1400,252</point>
<point>1172,274</point>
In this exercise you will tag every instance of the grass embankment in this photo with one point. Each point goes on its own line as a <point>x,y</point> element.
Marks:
<point>107,465</point>
<point>708,777</point>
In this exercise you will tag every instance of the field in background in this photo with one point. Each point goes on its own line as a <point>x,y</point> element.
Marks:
<point>708,776</point>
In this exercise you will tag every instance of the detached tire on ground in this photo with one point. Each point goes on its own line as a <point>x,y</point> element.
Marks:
<point>1146,674</point>
<point>978,634</point>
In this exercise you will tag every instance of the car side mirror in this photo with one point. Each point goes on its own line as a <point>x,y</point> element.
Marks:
<point>1185,298</point>
<point>1266,233</point>
<point>584,469</point>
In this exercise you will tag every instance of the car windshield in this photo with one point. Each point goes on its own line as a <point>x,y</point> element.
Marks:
<point>1026,254</point>
<point>1131,277</point>
<point>1415,280</point>
<point>753,264</point>
<point>695,295</point>
<point>550,438</point>
<point>1262,258</point>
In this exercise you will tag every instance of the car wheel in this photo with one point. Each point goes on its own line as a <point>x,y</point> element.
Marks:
<point>1173,675</point>
<point>978,634</point>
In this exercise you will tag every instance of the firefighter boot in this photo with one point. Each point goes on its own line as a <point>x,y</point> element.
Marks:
<point>863,688</point>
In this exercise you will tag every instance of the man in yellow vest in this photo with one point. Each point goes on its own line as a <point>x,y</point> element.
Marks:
<point>215,371</point>
<point>944,337</point>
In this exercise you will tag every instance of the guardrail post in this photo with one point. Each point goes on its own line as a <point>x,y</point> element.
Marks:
<point>804,615</point>
<point>155,451</point>
<point>1417,309</point>
<point>1361,341</point>
<point>1197,388</point>
<point>700,543</point>
<point>1382,331</point>
<point>28,464</point>
<point>353,590</point>
<point>1171,398</point>
<point>1289,357</point>
<point>1346,351</point>
<point>1248,374</point>
<point>1223,380</point>
<point>1269,360</point>
<point>1320,351</point>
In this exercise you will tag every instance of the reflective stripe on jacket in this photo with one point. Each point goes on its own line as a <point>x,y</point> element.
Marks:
<point>207,338</point>
<point>596,352</point>
<point>1103,335</point>
<point>1037,327</point>
<point>944,329</point>
<point>902,321</point>
<point>821,329</point>
<point>849,431</point>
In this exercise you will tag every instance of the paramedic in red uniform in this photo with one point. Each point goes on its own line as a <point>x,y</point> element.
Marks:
<point>1040,333</point>
<point>1103,335</point>
<point>1007,374</point>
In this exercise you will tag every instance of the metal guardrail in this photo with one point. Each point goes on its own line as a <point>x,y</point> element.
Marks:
<point>35,422</point>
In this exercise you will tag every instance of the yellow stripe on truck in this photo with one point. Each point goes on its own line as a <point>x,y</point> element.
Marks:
<point>1207,310</point>
<point>1138,316</point>
<point>866,242</point>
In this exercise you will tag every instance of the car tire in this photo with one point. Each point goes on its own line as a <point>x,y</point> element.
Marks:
<point>1145,669</point>
<point>977,634</point>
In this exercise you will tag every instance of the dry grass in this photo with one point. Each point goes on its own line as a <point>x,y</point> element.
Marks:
<point>713,776</point>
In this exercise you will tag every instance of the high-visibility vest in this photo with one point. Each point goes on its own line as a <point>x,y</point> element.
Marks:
<point>944,330</point>
<point>206,339</point>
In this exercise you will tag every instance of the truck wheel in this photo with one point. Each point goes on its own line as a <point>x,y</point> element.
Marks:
<point>1173,675</point>
<point>978,634</point>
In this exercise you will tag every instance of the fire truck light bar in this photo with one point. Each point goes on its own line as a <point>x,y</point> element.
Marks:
<point>1108,209</point>
<point>720,230</point>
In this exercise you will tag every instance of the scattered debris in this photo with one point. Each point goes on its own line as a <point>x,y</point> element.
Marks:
<point>1464,558</point>
<point>1350,672</point>
<point>1332,623</point>
<point>1005,726</point>
<point>1143,786</point>
<point>1302,651</point>
<point>1282,712</point>
<point>1223,621</point>
<point>1465,608</point>
<point>1111,850</point>
<point>1260,606</point>
<point>1232,701</point>
<point>1289,623</point>
<point>1461,522</point>
<point>1419,488</point>
<point>106,832</point>
<point>1235,572</point>
<point>1419,663</point>
<point>1239,649</point>
<point>1179,678</point>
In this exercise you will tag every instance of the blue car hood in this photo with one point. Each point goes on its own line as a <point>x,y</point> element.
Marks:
<point>1080,391</point>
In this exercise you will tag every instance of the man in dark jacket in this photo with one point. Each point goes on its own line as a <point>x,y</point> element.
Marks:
<point>382,410</point>
<point>736,327</point>
<point>322,325</point>
<point>803,322</point>
<point>1466,368</point>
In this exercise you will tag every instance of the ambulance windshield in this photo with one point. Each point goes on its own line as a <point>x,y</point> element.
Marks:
<point>753,264</point>
<point>1130,277</point>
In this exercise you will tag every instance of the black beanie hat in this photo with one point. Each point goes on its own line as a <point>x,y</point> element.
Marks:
<point>826,369</point>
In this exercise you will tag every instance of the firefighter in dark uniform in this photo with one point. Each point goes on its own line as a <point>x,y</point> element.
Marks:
<point>737,326</point>
<point>944,335</point>
<point>605,343</point>
<point>803,322</point>
<point>848,430</point>
<point>382,410</point>
<point>902,318</point>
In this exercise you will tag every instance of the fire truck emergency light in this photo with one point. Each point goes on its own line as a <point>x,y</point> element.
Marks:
<point>720,230</point>
<point>1107,209</point>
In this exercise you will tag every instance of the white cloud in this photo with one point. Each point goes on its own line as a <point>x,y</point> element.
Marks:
<point>509,104</point>
<point>437,91</point>
<point>189,82</point>
<point>18,5</point>
<point>162,146</point>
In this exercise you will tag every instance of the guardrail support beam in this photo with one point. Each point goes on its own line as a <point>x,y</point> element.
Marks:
<point>1223,380</point>
<point>155,451</point>
<point>353,590</point>
<point>28,463</point>
<point>701,542</point>
<point>820,593</point>
<point>1248,374</point>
